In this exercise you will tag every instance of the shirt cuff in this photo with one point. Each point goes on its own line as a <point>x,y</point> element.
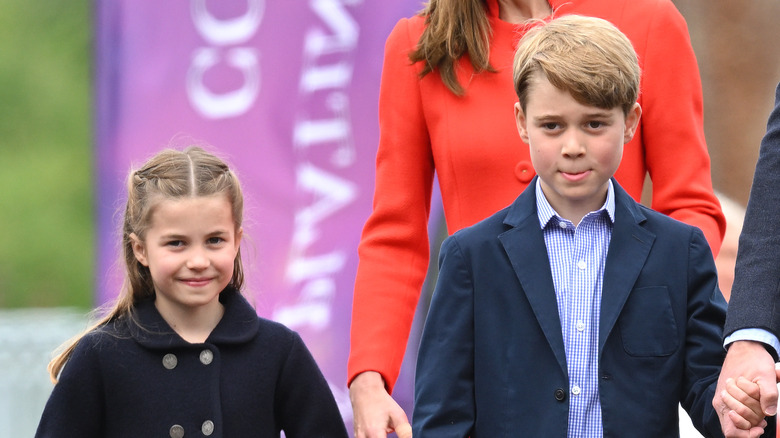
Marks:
<point>755,334</point>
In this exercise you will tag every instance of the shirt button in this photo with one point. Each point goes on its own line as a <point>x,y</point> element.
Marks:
<point>524,172</point>
<point>176,431</point>
<point>580,326</point>
<point>560,394</point>
<point>562,224</point>
<point>581,264</point>
<point>575,390</point>
<point>170,361</point>
<point>206,356</point>
<point>207,428</point>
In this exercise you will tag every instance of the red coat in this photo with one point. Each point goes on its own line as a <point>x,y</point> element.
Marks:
<point>472,144</point>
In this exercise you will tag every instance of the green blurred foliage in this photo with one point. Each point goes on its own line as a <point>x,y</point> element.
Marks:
<point>46,194</point>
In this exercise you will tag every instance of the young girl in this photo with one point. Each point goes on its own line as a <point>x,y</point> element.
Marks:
<point>182,353</point>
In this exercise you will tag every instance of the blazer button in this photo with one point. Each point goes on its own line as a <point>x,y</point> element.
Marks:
<point>170,361</point>
<point>176,431</point>
<point>560,394</point>
<point>524,172</point>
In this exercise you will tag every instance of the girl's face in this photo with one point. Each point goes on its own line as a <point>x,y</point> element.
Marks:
<point>189,248</point>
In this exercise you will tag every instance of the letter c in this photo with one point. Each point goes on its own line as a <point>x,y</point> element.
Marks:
<point>231,104</point>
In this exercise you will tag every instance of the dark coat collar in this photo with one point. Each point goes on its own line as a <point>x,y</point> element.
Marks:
<point>238,325</point>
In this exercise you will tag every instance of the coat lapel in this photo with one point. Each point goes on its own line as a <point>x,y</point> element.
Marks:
<point>524,245</point>
<point>628,251</point>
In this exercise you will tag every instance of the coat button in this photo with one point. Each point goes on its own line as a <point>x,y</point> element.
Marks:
<point>207,428</point>
<point>176,431</point>
<point>170,361</point>
<point>560,394</point>
<point>524,172</point>
<point>206,357</point>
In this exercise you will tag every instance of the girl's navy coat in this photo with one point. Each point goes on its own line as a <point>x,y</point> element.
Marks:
<point>138,378</point>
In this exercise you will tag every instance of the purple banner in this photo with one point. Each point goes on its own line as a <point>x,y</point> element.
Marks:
<point>287,92</point>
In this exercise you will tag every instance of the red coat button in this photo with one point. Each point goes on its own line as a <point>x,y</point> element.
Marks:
<point>524,172</point>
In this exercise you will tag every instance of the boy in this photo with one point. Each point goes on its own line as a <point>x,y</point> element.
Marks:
<point>575,311</point>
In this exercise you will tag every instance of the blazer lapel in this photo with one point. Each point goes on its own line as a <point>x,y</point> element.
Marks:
<point>628,251</point>
<point>524,245</point>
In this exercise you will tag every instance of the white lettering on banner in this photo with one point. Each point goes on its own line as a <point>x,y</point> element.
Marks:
<point>225,33</point>
<point>334,194</point>
<point>325,77</point>
<point>233,103</point>
<point>312,310</point>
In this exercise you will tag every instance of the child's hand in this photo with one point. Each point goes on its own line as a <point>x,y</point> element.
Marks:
<point>742,397</point>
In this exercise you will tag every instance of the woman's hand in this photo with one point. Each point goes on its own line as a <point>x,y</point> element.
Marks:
<point>375,413</point>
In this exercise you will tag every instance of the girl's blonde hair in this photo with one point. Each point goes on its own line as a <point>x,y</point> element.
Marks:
<point>170,174</point>
<point>454,28</point>
<point>585,56</point>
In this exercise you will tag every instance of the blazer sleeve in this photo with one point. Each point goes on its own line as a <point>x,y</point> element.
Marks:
<point>76,404</point>
<point>305,404</point>
<point>755,295</point>
<point>444,403</point>
<point>673,127</point>
<point>394,248</point>
<point>706,312</point>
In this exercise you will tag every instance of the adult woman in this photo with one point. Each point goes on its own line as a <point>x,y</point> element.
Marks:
<point>448,111</point>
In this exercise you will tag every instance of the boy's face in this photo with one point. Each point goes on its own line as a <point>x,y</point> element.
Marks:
<point>575,148</point>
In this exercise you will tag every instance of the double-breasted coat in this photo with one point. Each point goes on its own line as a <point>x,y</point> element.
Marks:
<point>135,377</point>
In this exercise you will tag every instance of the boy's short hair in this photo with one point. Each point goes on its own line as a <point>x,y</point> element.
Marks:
<point>586,56</point>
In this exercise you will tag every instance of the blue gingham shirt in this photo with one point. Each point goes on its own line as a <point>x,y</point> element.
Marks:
<point>577,254</point>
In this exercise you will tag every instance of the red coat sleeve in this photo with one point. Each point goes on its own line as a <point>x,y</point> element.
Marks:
<point>394,248</point>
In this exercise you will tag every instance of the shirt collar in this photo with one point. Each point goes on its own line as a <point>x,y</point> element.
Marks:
<point>546,212</point>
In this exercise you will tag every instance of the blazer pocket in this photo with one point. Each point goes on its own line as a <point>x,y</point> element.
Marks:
<point>647,324</point>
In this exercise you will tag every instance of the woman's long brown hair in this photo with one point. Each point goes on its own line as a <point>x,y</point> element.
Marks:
<point>454,28</point>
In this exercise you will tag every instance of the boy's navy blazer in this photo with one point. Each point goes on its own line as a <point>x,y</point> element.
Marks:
<point>492,361</point>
